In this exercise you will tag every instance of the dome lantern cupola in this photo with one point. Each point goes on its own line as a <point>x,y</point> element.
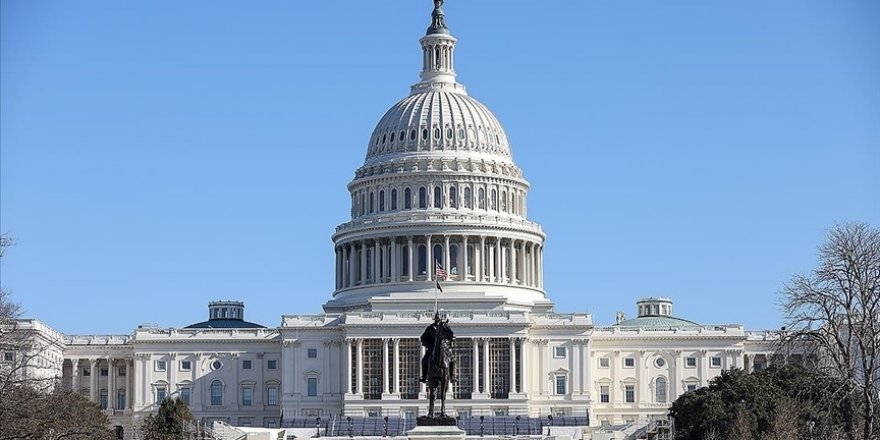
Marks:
<point>654,307</point>
<point>438,47</point>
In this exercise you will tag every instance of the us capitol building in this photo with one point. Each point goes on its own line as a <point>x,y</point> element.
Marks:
<point>438,187</point>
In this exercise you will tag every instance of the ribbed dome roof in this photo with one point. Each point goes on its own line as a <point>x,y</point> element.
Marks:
<point>439,121</point>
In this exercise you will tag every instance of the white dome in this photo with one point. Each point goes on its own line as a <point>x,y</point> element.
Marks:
<point>439,121</point>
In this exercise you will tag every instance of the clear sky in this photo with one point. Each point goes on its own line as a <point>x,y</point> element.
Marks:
<point>157,155</point>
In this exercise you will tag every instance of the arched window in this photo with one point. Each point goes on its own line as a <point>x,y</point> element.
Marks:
<point>453,259</point>
<point>481,198</point>
<point>493,202</point>
<point>371,202</point>
<point>216,393</point>
<point>354,208</point>
<point>394,199</point>
<point>405,253</point>
<point>423,257</point>
<point>438,255</point>
<point>423,198</point>
<point>470,259</point>
<point>438,197</point>
<point>363,204</point>
<point>370,264</point>
<point>661,389</point>
<point>120,398</point>
<point>504,201</point>
<point>382,201</point>
<point>468,203</point>
<point>407,199</point>
<point>453,197</point>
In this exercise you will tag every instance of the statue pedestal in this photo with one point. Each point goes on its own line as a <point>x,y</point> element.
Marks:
<point>436,433</point>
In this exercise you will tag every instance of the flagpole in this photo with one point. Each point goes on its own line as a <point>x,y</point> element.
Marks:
<point>436,294</point>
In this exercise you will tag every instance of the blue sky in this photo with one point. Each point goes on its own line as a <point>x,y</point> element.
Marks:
<point>158,155</point>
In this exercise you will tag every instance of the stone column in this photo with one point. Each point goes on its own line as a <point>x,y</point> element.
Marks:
<point>643,381</point>
<point>395,263</point>
<point>446,259</point>
<point>409,251</point>
<point>396,387</point>
<point>704,368</point>
<point>344,266</point>
<point>74,375</point>
<point>385,366</point>
<point>499,257</point>
<point>677,387</point>
<point>479,259</point>
<point>540,266</point>
<point>338,268</point>
<point>524,275</point>
<point>476,367</point>
<point>111,383</point>
<point>362,258</point>
<point>524,372</point>
<point>512,358</point>
<point>93,383</point>
<point>347,367</point>
<point>360,366</point>
<point>429,253</point>
<point>511,261</point>
<point>464,260</point>
<point>487,384</point>
<point>376,256</point>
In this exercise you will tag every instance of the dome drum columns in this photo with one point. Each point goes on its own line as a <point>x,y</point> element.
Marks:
<point>466,258</point>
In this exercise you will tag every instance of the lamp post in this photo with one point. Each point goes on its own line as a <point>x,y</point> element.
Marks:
<point>516,426</point>
<point>549,424</point>
<point>317,426</point>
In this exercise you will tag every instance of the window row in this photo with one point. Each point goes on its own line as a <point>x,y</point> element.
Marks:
<point>103,371</point>
<point>387,139</point>
<point>660,391</point>
<point>503,199</point>
<point>216,393</point>
<point>659,362</point>
<point>186,365</point>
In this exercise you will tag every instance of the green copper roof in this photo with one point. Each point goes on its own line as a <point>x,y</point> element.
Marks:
<point>657,322</point>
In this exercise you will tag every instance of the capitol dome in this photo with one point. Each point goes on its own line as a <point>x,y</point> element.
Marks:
<point>438,199</point>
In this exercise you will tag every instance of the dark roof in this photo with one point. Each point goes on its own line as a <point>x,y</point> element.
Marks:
<point>225,323</point>
<point>657,322</point>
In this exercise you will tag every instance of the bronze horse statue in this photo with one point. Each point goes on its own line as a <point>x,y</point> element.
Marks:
<point>438,364</point>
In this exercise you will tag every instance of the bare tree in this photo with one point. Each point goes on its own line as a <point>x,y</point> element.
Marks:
<point>834,314</point>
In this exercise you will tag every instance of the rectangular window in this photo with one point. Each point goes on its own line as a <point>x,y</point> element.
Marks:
<point>161,393</point>
<point>464,414</point>
<point>559,352</point>
<point>247,364</point>
<point>104,371</point>
<point>691,387</point>
<point>121,371</point>
<point>247,396</point>
<point>120,399</point>
<point>185,394</point>
<point>604,362</point>
<point>604,395</point>
<point>690,362</point>
<point>8,356</point>
<point>161,366</point>
<point>272,396</point>
<point>185,365</point>
<point>87,372</point>
<point>716,361</point>
<point>500,412</point>
<point>629,362</point>
<point>313,386</point>
<point>271,423</point>
<point>312,353</point>
<point>272,364</point>
<point>103,399</point>
<point>560,384</point>
<point>630,392</point>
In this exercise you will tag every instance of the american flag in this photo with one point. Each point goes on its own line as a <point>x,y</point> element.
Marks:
<point>440,272</point>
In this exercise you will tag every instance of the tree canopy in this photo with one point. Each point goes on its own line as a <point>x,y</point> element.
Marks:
<point>740,405</point>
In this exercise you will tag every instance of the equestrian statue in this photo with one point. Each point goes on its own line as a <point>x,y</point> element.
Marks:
<point>438,364</point>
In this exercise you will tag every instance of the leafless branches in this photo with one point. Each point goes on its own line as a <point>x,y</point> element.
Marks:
<point>834,313</point>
